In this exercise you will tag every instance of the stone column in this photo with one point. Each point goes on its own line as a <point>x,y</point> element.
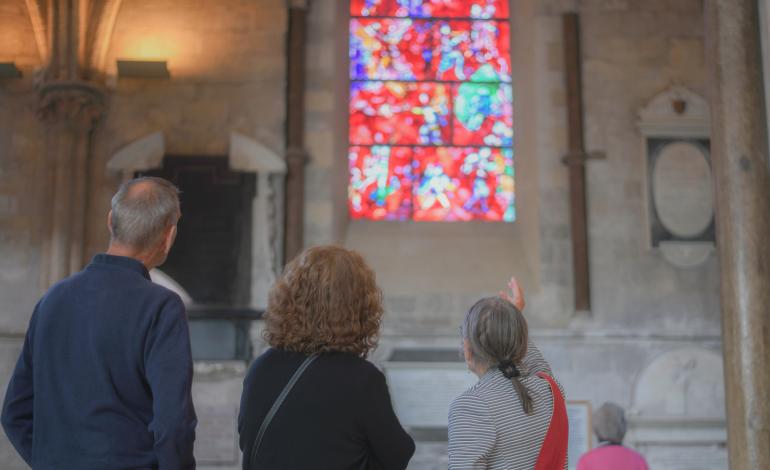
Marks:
<point>70,109</point>
<point>69,106</point>
<point>739,149</point>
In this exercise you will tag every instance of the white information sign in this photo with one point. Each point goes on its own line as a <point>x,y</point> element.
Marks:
<point>422,391</point>
<point>579,415</point>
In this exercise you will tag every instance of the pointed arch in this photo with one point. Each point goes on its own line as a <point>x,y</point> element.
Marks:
<point>38,27</point>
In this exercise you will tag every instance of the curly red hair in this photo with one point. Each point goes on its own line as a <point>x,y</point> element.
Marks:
<point>325,300</point>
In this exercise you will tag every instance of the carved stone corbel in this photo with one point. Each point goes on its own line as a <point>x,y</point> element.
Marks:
<point>73,102</point>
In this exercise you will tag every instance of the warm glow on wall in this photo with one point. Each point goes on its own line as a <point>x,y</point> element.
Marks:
<point>151,47</point>
<point>180,50</point>
<point>187,40</point>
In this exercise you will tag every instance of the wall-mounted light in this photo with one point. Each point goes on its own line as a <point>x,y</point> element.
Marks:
<point>142,69</point>
<point>9,70</point>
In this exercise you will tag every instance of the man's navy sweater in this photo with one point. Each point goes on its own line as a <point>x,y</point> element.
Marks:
<point>103,380</point>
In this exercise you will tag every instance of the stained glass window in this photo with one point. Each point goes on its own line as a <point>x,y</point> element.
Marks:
<point>431,111</point>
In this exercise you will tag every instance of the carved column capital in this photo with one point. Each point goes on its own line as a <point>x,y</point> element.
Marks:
<point>76,103</point>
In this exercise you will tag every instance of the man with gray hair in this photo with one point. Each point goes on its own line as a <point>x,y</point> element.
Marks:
<point>610,428</point>
<point>103,380</point>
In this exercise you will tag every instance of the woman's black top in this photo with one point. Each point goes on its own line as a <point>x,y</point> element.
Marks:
<point>336,417</point>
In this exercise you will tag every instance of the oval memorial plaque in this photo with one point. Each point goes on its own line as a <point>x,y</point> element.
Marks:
<point>682,190</point>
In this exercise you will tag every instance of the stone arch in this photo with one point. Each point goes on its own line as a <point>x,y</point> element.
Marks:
<point>38,27</point>
<point>95,31</point>
<point>141,154</point>
<point>101,34</point>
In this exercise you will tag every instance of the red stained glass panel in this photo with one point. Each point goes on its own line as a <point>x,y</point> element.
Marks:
<point>426,8</point>
<point>380,186</point>
<point>390,49</point>
<point>478,51</point>
<point>462,184</point>
<point>399,113</point>
<point>430,113</point>
<point>436,184</point>
<point>370,7</point>
<point>483,114</point>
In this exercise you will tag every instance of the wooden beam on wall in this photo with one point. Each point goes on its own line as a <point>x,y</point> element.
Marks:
<point>296,155</point>
<point>576,160</point>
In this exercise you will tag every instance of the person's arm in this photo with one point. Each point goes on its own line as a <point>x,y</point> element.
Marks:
<point>471,434</point>
<point>19,399</point>
<point>391,446</point>
<point>168,369</point>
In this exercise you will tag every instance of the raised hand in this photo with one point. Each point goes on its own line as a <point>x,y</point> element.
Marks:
<point>516,295</point>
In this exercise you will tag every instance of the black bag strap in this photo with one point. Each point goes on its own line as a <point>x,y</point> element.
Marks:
<point>277,404</point>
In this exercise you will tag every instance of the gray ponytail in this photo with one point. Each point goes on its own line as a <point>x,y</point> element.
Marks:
<point>497,334</point>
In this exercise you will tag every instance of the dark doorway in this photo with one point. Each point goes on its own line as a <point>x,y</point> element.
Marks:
<point>211,258</point>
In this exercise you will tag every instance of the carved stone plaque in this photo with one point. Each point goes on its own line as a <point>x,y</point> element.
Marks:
<point>682,189</point>
<point>680,199</point>
<point>693,457</point>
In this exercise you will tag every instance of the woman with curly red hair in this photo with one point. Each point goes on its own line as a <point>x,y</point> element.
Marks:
<point>312,400</point>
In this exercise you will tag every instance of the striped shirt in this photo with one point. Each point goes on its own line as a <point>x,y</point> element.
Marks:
<point>488,428</point>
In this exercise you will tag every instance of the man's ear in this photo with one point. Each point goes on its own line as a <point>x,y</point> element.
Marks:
<point>109,222</point>
<point>170,237</point>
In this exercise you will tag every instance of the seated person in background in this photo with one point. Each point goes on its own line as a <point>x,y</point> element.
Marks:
<point>514,417</point>
<point>323,318</point>
<point>610,428</point>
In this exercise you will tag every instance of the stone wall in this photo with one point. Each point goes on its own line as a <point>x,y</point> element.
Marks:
<point>227,64</point>
<point>22,162</point>
<point>631,52</point>
<point>643,307</point>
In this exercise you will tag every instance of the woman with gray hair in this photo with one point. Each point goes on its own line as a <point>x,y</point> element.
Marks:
<point>610,429</point>
<point>514,417</point>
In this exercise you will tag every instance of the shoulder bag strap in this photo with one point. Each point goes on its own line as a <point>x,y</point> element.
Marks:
<point>277,404</point>
<point>553,454</point>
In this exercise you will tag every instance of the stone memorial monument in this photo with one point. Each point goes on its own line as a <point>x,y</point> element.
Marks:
<point>679,189</point>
